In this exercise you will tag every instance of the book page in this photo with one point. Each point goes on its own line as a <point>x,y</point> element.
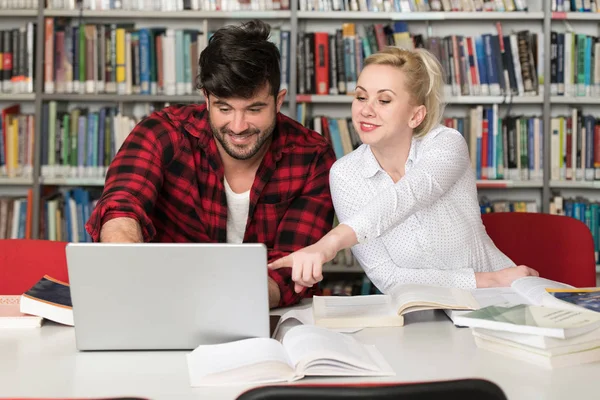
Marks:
<point>333,353</point>
<point>498,296</point>
<point>533,289</point>
<point>376,305</point>
<point>409,298</point>
<point>207,360</point>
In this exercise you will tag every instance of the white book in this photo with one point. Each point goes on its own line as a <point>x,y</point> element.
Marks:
<point>514,48</point>
<point>568,70</point>
<point>539,357</point>
<point>11,316</point>
<point>532,320</point>
<point>554,346</point>
<point>304,351</point>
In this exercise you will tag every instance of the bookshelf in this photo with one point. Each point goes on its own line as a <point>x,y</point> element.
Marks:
<point>540,18</point>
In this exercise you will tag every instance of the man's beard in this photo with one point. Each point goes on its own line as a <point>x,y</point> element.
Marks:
<point>243,152</point>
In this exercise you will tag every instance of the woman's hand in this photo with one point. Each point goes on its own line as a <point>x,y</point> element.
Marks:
<point>306,264</point>
<point>503,278</point>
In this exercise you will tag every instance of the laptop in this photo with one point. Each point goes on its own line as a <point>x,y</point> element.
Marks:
<point>161,296</point>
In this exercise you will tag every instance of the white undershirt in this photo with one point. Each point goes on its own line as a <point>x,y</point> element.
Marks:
<point>237,214</point>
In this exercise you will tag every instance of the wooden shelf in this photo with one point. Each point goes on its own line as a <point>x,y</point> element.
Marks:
<point>576,16</point>
<point>574,100</point>
<point>575,184</point>
<point>18,13</point>
<point>347,99</point>
<point>17,97</point>
<point>18,181</point>
<point>72,181</point>
<point>419,16</point>
<point>507,184</point>
<point>169,15</point>
<point>132,98</point>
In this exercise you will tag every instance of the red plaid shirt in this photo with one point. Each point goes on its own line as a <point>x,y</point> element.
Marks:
<point>168,175</point>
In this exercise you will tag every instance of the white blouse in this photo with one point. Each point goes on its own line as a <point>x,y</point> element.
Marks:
<point>426,228</point>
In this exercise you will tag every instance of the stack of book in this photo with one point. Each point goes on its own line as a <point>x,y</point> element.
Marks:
<point>558,334</point>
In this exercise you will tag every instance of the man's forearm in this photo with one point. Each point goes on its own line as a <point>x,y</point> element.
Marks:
<point>274,293</point>
<point>121,230</point>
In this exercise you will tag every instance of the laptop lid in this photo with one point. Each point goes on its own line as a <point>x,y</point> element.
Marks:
<point>155,296</point>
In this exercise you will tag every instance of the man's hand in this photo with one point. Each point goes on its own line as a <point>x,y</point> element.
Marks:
<point>274,293</point>
<point>503,278</point>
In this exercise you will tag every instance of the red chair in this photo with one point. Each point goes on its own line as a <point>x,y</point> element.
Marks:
<point>24,262</point>
<point>558,247</point>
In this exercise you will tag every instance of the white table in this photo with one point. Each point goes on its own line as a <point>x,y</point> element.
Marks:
<point>44,363</point>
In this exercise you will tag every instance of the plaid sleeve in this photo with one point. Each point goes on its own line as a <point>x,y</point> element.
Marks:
<point>307,220</point>
<point>134,177</point>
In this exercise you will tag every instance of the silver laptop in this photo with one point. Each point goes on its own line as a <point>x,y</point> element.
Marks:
<point>167,296</point>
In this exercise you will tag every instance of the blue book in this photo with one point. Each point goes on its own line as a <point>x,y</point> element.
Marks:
<point>91,139</point>
<point>336,139</point>
<point>285,59</point>
<point>492,66</point>
<point>481,63</point>
<point>144,35</point>
<point>22,218</point>
<point>67,214</point>
<point>50,299</point>
<point>101,138</point>
<point>188,77</point>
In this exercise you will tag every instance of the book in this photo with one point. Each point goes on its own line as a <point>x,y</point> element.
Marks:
<point>49,298</point>
<point>553,358</point>
<point>388,309</point>
<point>533,320</point>
<point>528,290</point>
<point>587,298</point>
<point>542,342</point>
<point>12,317</point>
<point>305,350</point>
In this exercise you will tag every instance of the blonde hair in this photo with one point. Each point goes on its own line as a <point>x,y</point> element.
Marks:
<point>424,81</point>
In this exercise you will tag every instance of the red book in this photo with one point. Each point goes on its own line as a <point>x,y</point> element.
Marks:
<point>322,62</point>
<point>484,147</point>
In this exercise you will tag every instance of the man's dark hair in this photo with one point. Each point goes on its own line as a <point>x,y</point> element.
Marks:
<point>239,60</point>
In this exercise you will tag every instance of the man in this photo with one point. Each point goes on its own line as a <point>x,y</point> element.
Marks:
<point>231,170</point>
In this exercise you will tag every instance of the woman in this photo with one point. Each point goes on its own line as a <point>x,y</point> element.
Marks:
<point>406,199</point>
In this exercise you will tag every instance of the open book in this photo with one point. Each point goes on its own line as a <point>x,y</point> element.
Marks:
<point>304,351</point>
<point>388,310</point>
<point>528,290</point>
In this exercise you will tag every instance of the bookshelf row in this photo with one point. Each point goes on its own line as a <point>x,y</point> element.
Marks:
<point>481,184</point>
<point>79,143</point>
<point>305,15</point>
<point>119,59</point>
<point>301,98</point>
